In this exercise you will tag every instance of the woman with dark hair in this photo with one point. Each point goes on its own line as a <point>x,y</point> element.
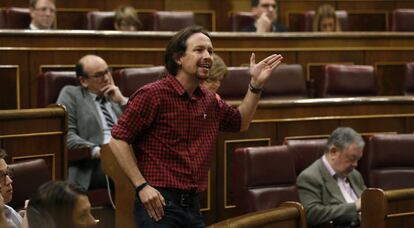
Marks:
<point>60,204</point>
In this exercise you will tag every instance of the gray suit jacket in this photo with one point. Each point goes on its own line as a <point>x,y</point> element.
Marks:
<point>84,129</point>
<point>322,199</point>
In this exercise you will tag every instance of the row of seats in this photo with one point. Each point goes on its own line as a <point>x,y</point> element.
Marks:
<point>401,20</point>
<point>19,18</point>
<point>264,177</point>
<point>286,82</point>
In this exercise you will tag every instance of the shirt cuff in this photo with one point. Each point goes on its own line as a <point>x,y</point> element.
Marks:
<point>95,152</point>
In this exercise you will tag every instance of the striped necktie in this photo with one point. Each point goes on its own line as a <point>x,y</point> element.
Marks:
<point>105,112</point>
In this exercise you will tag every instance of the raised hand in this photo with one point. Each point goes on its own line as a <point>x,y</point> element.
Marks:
<point>261,71</point>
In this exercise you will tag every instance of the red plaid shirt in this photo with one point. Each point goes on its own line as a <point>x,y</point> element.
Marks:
<point>174,135</point>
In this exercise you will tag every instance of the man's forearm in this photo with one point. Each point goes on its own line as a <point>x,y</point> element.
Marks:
<point>247,109</point>
<point>126,160</point>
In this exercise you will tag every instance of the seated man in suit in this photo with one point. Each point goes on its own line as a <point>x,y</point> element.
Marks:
<point>330,188</point>
<point>266,17</point>
<point>43,14</point>
<point>12,217</point>
<point>93,107</point>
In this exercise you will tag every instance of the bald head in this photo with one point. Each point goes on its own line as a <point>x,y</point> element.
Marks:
<point>93,73</point>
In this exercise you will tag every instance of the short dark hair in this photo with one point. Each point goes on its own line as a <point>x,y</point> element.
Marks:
<point>33,3</point>
<point>178,45</point>
<point>3,153</point>
<point>255,3</point>
<point>53,203</point>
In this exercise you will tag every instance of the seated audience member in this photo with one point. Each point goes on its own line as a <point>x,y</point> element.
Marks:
<point>330,188</point>
<point>126,19</point>
<point>6,189</point>
<point>266,17</point>
<point>43,14</point>
<point>4,222</point>
<point>325,20</point>
<point>59,204</point>
<point>218,72</point>
<point>93,107</point>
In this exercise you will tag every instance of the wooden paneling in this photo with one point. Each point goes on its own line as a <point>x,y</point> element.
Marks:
<point>9,87</point>
<point>36,133</point>
<point>31,50</point>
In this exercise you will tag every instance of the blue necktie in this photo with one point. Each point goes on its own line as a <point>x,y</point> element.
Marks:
<point>105,112</point>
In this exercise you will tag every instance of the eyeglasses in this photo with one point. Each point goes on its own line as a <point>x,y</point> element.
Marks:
<point>44,9</point>
<point>100,74</point>
<point>3,174</point>
<point>268,5</point>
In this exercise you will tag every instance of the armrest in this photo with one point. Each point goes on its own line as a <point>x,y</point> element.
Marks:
<point>79,154</point>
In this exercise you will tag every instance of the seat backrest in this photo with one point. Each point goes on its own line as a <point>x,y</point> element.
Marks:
<point>2,19</point>
<point>235,85</point>
<point>17,18</point>
<point>390,161</point>
<point>402,20</point>
<point>408,86</point>
<point>100,20</point>
<point>348,81</point>
<point>287,81</point>
<point>173,20</point>
<point>342,16</point>
<point>287,215</point>
<point>305,151</point>
<point>240,20</point>
<point>131,79</point>
<point>262,178</point>
<point>50,83</point>
<point>27,177</point>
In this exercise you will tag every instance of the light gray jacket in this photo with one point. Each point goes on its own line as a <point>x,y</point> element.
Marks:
<point>84,128</point>
<point>322,198</point>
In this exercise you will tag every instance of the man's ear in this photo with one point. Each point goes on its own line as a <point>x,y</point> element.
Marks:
<point>31,11</point>
<point>84,83</point>
<point>177,59</point>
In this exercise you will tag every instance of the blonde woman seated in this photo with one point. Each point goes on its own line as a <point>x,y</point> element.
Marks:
<point>218,72</point>
<point>325,20</point>
<point>126,19</point>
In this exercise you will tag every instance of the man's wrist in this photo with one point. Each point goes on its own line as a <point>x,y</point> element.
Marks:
<point>254,88</point>
<point>140,187</point>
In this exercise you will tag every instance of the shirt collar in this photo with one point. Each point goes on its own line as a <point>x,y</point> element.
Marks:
<point>33,27</point>
<point>328,166</point>
<point>198,92</point>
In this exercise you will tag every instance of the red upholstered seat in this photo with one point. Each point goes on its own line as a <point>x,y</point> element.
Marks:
<point>402,20</point>
<point>172,20</point>
<point>408,86</point>
<point>262,178</point>
<point>17,18</point>
<point>286,81</point>
<point>348,81</point>
<point>100,20</point>
<point>239,20</point>
<point>390,161</point>
<point>305,151</point>
<point>50,83</point>
<point>131,79</point>
<point>235,85</point>
<point>27,177</point>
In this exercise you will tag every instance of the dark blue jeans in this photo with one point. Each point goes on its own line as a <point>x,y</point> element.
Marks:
<point>182,209</point>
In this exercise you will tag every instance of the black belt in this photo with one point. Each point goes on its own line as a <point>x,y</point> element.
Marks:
<point>183,198</point>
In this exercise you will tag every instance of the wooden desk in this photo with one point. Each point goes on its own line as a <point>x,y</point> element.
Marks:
<point>387,209</point>
<point>25,54</point>
<point>36,133</point>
